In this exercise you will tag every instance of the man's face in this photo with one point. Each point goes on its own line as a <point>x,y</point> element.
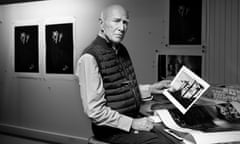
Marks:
<point>115,24</point>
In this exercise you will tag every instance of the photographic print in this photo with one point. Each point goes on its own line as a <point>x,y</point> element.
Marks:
<point>188,87</point>
<point>170,64</point>
<point>26,44</point>
<point>59,48</point>
<point>185,22</point>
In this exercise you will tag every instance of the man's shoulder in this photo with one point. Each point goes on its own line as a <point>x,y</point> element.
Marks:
<point>94,48</point>
<point>98,49</point>
<point>86,58</point>
<point>96,43</point>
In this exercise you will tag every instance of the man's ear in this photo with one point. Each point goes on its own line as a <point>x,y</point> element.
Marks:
<point>100,21</point>
<point>101,24</point>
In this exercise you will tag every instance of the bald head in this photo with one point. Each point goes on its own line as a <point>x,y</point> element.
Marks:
<point>114,22</point>
<point>113,10</point>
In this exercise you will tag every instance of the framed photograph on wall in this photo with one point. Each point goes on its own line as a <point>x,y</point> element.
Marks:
<point>26,48</point>
<point>169,62</point>
<point>185,22</point>
<point>59,46</point>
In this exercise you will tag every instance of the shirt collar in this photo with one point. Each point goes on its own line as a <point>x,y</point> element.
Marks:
<point>110,44</point>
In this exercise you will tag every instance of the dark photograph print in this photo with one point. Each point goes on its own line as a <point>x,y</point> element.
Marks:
<point>169,65</point>
<point>59,48</point>
<point>185,22</point>
<point>26,49</point>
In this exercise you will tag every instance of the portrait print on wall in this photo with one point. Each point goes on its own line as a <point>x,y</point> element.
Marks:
<point>170,64</point>
<point>26,49</point>
<point>185,22</point>
<point>59,48</point>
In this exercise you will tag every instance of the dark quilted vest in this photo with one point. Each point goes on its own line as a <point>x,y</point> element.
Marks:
<point>119,80</point>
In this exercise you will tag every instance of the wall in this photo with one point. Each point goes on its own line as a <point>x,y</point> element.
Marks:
<point>223,62</point>
<point>50,108</point>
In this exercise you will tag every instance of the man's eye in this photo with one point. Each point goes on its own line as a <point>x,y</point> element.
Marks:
<point>125,22</point>
<point>116,20</point>
<point>120,21</point>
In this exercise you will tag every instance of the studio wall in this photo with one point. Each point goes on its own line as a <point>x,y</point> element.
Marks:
<point>52,105</point>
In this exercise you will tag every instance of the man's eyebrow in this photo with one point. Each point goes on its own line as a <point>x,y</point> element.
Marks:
<point>118,18</point>
<point>127,20</point>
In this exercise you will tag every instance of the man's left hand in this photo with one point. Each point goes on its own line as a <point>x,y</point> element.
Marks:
<point>159,86</point>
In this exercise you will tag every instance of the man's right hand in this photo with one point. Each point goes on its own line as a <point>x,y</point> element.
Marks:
<point>142,124</point>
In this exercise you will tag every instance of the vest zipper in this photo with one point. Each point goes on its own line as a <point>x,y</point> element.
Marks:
<point>130,81</point>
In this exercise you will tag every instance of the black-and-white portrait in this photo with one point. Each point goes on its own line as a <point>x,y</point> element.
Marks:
<point>59,48</point>
<point>26,49</point>
<point>169,65</point>
<point>185,22</point>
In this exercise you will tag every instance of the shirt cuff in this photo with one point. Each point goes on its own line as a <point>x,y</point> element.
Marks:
<point>145,91</point>
<point>125,123</point>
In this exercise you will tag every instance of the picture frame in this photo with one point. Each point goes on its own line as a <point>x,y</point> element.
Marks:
<point>59,54</point>
<point>169,62</point>
<point>185,18</point>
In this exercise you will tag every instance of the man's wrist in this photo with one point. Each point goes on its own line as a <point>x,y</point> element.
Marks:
<point>150,89</point>
<point>125,123</point>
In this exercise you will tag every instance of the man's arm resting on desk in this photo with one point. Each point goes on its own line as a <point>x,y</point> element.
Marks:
<point>92,93</point>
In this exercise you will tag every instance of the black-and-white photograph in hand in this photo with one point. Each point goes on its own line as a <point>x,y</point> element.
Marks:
<point>186,89</point>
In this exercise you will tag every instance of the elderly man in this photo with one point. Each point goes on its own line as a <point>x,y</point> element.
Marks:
<point>110,92</point>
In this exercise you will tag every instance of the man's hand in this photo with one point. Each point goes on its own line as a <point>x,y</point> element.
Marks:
<point>142,124</point>
<point>159,86</point>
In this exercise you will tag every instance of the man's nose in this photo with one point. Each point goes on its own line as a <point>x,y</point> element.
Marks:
<point>122,26</point>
